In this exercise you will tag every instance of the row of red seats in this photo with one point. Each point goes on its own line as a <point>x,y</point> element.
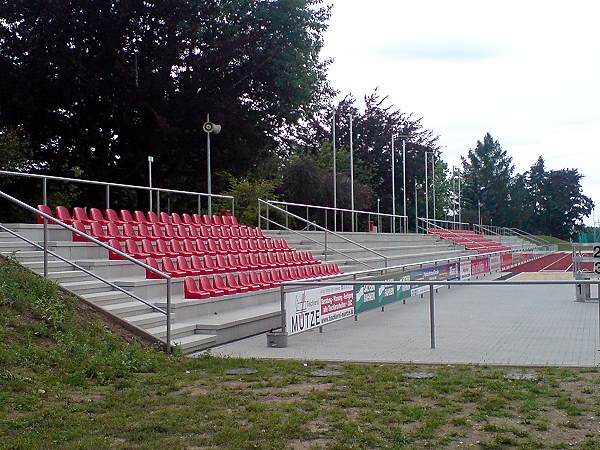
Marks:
<point>252,281</point>
<point>221,264</point>
<point>198,247</point>
<point>138,217</point>
<point>165,232</point>
<point>470,240</point>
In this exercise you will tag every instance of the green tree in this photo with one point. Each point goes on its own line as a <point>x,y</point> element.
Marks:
<point>487,178</point>
<point>102,85</point>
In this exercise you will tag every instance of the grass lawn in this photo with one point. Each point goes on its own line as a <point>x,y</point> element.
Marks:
<point>562,245</point>
<point>69,380</point>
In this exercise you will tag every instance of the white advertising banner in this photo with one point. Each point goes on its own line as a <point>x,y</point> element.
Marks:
<point>465,270</point>
<point>495,263</point>
<point>312,308</point>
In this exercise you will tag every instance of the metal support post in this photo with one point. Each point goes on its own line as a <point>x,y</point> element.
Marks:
<point>404,193</point>
<point>432,315</point>
<point>393,187</point>
<point>334,175</point>
<point>287,218</point>
<point>157,203</point>
<point>267,208</point>
<point>325,245</point>
<point>168,315</point>
<point>351,174</point>
<point>199,204</point>
<point>107,196</point>
<point>45,195</point>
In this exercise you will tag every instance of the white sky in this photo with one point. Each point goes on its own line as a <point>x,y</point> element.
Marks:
<point>527,71</point>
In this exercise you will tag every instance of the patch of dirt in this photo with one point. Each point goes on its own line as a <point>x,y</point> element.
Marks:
<point>295,389</point>
<point>193,390</point>
<point>85,397</point>
<point>309,444</point>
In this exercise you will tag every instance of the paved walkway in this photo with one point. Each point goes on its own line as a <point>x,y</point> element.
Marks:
<point>516,325</point>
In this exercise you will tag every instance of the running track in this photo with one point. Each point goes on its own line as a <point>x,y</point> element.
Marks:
<point>556,262</point>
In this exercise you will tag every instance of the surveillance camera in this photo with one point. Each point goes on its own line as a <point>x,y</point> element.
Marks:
<point>210,127</point>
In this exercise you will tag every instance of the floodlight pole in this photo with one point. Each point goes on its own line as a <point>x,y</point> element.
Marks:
<point>416,208</point>
<point>208,178</point>
<point>393,188</point>
<point>351,173</point>
<point>459,199</point>
<point>334,175</point>
<point>150,161</point>
<point>404,178</point>
<point>426,190</point>
<point>433,181</point>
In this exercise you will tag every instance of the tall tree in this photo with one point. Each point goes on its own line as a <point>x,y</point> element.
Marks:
<point>100,85</point>
<point>487,176</point>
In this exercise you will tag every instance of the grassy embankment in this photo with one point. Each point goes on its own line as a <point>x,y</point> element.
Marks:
<point>68,380</point>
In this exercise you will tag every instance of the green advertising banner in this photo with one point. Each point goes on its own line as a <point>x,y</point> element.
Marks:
<point>369,296</point>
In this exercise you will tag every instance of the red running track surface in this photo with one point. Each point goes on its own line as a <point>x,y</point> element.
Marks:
<point>539,264</point>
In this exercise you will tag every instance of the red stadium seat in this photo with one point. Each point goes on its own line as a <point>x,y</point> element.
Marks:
<point>158,232</point>
<point>224,232</point>
<point>80,215</point>
<point>176,248</point>
<point>139,216</point>
<point>244,264</point>
<point>276,276</point>
<point>170,232</point>
<point>233,283</point>
<point>191,290</point>
<point>212,247</point>
<point>188,247</point>
<point>112,231</point>
<point>154,264</point>
<point>216,220</point>
<point>161,246</point>
<point>210,264</point>
<point>231,263</point>
<point>310,273</point>
<point>63,215</point>
<point>96,216</point>
<point>169,268</point>
<point>245,281</point>
<point>255,261</point>
<point>45,209</point>
<point>226,220</point>
<point>129,232</point>
<point>242,245</point>
<point>202,246</point>
<point>148,248</point>
<point>219,284</point>
<point>198,265</point>
<point>176,219</point>
<point>255,279</point>
<point>234,221</point>
<point>143,233</point>
<point>193,232</point>
<point>302,272</point>
<point>206,286</point>
<point>183,266</point>
<point>235,233</point>
<point>152,217</point>
<point>79,227</point>
<point>111,216</point>
<point>294,273</point>
<point>265,277</point>
<point>112,255</point>
<point>98,232</point>
<point>131,248</point>
<point>165,218</point>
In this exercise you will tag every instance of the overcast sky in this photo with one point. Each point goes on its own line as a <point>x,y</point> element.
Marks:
<point>526,71</point>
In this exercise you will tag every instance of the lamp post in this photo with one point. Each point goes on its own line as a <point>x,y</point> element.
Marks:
<point>378,216</point>
<point>426,189</point>
<point>334,174</point>
<point>393,187</point>
<point>209,128</point>
<point>416,207</point>
<point>150,161</point>
<point>433,182</point>
<point>351,173</point>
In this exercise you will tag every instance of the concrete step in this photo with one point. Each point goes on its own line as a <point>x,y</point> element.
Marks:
<point>86,287</point>
<point>69,276</point>
<point>28,255</point>
<point>55,266</point>
<point>15,244</point>
<point>195,342</point>
<point>179,329</point>
<point>128,308</point>
<point>107,298</point>
<point>147,320</point>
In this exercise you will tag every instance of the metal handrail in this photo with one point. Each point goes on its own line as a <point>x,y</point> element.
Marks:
<point>529,236</point>
<point>404,219</point>
<point>108,185</point>
<point>447,221</point>
<point>268,204</point>
<point>123,255</point>
<point>318,243</point>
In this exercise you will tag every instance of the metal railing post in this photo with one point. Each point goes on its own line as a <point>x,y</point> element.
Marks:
<point>157,202</point>
<point>282,294</point>
<point>267,207</point>
<point>168,315</point>
<point>432,315</point>
<point>307,218</point>
<point>287,217</point>
<point>258,218</point>
<point>342,221</point>
<point>199,204</point>
<point>233,206</point>
<point>325,245</point>
<point>107,196</point>
<point>325,218</point>
<point>45,198</point>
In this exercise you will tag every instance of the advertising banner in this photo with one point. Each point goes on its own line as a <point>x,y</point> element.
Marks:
<point>480,266</point>
<point>454,271</point>
<point>436,273</point>
<point>495,263</point>
<point>465,270</point>
<point>506,261</point>
<point>369,296</point>
<point>312,308</point>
